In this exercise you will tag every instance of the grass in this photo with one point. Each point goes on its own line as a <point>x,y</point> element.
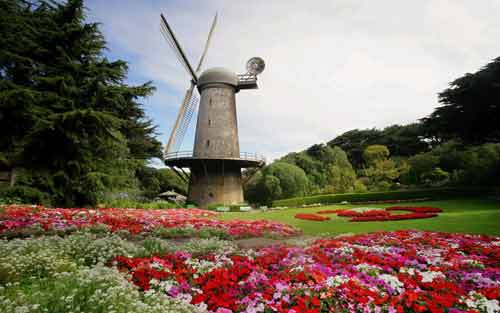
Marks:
<point>475,216</point>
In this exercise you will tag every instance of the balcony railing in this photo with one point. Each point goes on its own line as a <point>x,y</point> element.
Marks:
<point>189,154</point>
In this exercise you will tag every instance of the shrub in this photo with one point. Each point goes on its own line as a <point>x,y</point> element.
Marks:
<point>24,195</point>
<point>229,207</point>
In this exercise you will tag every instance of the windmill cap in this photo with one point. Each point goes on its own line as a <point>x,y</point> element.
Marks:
<point>218,75</point>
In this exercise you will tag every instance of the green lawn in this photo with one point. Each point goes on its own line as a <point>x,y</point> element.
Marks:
<point>464,216</point>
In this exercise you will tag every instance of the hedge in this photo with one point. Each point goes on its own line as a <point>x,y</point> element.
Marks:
<point>433,194</point>
<point>232,207</point>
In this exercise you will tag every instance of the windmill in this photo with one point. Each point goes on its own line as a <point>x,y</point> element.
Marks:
<point>216,161</point>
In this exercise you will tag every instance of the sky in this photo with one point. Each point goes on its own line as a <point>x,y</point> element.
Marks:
<point>331,65</point>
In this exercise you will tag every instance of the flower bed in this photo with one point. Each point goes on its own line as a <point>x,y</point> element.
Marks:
<point>15,219</point>
<point>376,215</point>
<point>311,217</point>
<point>370,213</point>
<point>404,271</point>
<point>390,217</point>
<point>415,209</point>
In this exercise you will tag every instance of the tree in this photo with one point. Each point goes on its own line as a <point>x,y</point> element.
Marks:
<point>170,181</point>
<point>154,181</point>
<point>470,108</point>
<point>381,170</point>
<point>67,115</point>
<point>342,177</point>
<point>276,181</point>
<point>375,153</point>
<point>354,143</point>
<point>422,165</point>
<point>401,140</point>
<point>292,179</point>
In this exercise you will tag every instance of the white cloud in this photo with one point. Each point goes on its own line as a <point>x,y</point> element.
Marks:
<point>331,65</point>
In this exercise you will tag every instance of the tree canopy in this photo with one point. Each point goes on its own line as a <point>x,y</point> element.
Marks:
<point>470,108</point>
<point>67,114</point>
<point>401,140</point>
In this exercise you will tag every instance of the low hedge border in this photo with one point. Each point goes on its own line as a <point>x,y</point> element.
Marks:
<point>232,207</point>
<point>431,194</point>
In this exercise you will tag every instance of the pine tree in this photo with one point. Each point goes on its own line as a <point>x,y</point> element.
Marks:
<point>470,108</point>
<point>67,114</point>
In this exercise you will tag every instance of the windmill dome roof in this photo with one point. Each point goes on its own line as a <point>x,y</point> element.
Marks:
<point>218,75</point>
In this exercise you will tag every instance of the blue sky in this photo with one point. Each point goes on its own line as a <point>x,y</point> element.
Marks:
<point>331,65</point>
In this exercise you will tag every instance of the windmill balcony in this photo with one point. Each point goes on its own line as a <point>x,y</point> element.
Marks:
<point>186,159</point>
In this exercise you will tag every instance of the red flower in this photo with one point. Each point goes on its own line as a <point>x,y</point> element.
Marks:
<point>311,217</point>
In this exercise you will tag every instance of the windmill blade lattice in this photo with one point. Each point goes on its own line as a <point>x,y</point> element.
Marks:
<point>186,120</point>
<point>181,116</point>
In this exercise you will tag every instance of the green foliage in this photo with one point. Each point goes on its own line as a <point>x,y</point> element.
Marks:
<point>276,181</point>
<point>170,181</point>
<point>470,109</point>
<point>401,140</point>
<point>375,153</point>
<point>155,181</point>
<point>341,175</point>
<point>68,116</point>
<point>327,168</point>
<point>380,171</point>
<point>436,176</point>
<point>23,194</point>
<point>422,164</point>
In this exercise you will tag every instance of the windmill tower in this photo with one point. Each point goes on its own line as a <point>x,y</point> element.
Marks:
<point>216,161</point>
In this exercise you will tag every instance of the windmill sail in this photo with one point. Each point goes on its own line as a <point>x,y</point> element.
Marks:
<point>180,117</point>
<point>186,121</point>
<point>190,101</point>
<point>172,40</point>
<point>207,44</point>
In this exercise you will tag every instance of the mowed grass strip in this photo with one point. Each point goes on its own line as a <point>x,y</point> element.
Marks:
<point>474,216</point>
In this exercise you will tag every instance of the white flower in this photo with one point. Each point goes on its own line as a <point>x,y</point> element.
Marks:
<point>335,281</point>
<point>392,281</point>
<point>429,276</point>
<point>479,302</point>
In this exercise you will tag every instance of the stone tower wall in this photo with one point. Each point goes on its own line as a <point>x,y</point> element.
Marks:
<point>217,126</point>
